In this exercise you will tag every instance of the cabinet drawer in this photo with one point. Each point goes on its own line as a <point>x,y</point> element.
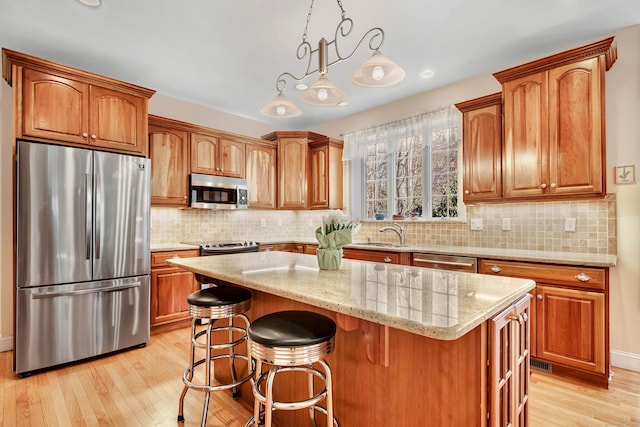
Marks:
<point>579,277</point>
<point>375,256</point>
<point>158,259</point>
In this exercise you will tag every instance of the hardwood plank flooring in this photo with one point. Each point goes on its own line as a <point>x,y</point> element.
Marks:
<point>141,387</point>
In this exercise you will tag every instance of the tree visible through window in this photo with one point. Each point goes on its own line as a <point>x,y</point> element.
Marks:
<point>409,167</point>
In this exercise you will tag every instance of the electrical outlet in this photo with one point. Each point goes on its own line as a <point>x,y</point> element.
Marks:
<point>279,222</point>
<point>263,222</point>
<point>570,225</point>
<point>506,224</point>
<point>476,223</point>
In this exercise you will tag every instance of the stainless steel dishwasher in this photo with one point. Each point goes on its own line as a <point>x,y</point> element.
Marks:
<point>446,262</point>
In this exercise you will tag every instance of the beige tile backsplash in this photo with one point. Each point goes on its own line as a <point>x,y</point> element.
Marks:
<point>534,226</point>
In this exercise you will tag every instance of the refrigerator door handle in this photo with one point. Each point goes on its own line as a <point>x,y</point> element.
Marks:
<point>85,291</point>
<point>87,214</point>
<point>99,215</point>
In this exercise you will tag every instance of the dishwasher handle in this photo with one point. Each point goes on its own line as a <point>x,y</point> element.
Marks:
<point>445,262</point>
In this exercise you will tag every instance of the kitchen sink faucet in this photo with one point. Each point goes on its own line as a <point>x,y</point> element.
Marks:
<point>399,231</point>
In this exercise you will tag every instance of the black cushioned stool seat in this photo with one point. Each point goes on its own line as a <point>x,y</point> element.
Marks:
<point>291,341</point>
<point>211,304</point>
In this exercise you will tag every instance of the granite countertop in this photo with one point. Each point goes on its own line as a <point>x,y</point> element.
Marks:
<point>159,247</point>
<point>437,304</point>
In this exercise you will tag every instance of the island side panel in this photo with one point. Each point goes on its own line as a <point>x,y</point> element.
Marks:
<point>427,382</point>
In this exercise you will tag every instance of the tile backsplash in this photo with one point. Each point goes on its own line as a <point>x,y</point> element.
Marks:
<point>533,226</point>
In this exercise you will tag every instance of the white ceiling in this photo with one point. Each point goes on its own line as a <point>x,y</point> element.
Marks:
<point>226,55</point>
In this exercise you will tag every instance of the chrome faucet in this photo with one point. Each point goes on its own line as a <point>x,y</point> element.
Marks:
<point>399,231</point>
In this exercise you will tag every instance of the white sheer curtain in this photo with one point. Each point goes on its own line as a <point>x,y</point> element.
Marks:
<point>425,126</point>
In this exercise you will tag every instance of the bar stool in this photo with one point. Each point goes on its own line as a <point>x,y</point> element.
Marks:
<point>291,341</point>
<point>211,304</point>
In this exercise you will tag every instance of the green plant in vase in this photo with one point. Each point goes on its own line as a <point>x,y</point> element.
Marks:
<point>337,231</point>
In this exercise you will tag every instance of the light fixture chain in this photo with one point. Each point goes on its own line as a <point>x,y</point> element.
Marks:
<point>342,9</point>
<point>306,26</point>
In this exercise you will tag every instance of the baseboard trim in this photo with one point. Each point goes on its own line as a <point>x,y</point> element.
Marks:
<point>625,360</point>
<point>6,344</point>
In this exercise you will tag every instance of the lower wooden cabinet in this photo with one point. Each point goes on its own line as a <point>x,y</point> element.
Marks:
<point>403,258</point>
<point>170,287</point>
<point>283,247</point>
<point>509,339</point>
<point>569,315</point>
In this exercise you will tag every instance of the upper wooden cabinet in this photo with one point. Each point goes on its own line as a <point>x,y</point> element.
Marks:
<point>482,148</point>
<point>309,170</point>
<point>554,124</point>
<point>261,174</point>
<point>168,150</point>
<point>325,180</point>
<point>56,103</point>
<point>212,155</point>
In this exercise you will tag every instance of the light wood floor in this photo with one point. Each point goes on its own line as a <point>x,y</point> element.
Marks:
<point>141,387</point>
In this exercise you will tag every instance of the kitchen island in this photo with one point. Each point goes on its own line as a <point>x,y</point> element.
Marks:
<point>413,345</point>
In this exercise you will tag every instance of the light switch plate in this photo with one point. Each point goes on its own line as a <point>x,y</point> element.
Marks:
<point>476,223</point>
<point>506,224</point>
<point>570,225</point>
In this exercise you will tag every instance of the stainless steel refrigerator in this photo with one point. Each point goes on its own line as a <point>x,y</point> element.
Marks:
<point>82,246</point>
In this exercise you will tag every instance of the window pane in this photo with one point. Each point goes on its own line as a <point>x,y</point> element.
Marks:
<point>409,175</point>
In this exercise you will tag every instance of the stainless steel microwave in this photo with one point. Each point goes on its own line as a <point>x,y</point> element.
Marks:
<point>217,192</point>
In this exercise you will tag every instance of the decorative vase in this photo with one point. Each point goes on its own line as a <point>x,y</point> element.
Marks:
<point>329,258</point>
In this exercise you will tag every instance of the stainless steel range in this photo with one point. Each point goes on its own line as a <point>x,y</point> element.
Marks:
<point>223,248</point>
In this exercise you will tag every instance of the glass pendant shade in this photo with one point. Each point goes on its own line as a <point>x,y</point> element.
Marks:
<point>323,93</point>
<point>281,108</point>
<point>377,71</point>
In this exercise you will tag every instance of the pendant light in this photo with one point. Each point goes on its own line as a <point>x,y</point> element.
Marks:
<point>377,71</point>
<point>323,92</point>
<point>281,108</point>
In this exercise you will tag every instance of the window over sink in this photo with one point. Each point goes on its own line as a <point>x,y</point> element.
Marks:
<point>409,167</point>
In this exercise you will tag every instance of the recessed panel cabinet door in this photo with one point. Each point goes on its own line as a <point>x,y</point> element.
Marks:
<point>526,130</point>
<point>168,150</point>
<point>54,107</point>
<point>261,176</point>
<point>232,158</point>
<point>575,128</point>
<point>204,154</point>
<point>292,173</point>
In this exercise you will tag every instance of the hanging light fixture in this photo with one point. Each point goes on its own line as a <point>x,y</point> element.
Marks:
<point>376,71</point>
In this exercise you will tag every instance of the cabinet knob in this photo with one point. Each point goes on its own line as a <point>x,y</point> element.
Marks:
<point>176,257</point>
<point>553,185</point>
<point>539,297</point>
<point>582,277</point>
<point>184,197</point>
<point>387,259</point>
<point>543,186</point>
<point>466,191</point>
<point>93,137</point>
<point>84,134</point>
<point>495,269</point>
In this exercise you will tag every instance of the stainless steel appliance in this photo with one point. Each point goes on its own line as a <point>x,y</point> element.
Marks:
<point>217,192</point>
<point>222,248</point>
<point>446,262</point>
<point>83,255</point>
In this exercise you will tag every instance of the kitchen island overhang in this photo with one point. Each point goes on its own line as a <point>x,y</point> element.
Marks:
<point>412,346</point>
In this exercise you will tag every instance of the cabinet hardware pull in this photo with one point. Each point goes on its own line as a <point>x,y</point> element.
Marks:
<point>387,259</point>
<point>539,297</point>
<point>84,134</point>
<point>525,316</point>
<point>93,137</point>
<point>543,186</point>
<point>582,277</point>
<point>553,185</point>
<point>495,269</point>
<point>466,191</point>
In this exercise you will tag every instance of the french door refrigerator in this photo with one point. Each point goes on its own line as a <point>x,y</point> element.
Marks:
<point>83,261</point>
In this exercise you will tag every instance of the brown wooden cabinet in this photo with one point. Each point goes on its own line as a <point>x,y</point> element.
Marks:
<point>554,124</point>
<point>170,287</point>
<point>168,150</point>
<point>482,148</point>
<point>403,258</point>
<point>292,173</point>
<point>212,155</point>
<point>509,339</point>
<point>56,103</point>
<point>570,314</point>
<point>283,247</point>
<point>325,169</point>
<point>261,174</point>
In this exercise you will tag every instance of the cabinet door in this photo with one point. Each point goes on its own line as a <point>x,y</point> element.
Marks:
<point>169,291</point>
<point>318,179</point>
<point>54,107</point>
<point>292,173</point>
<point>575,128</point>
<point>482,153</point>
<point>261,176</point>
<point>231,158</point>
<point>526,137</point>
<point>204,154</point>
<point>571,327</point>
<point>169,166</point>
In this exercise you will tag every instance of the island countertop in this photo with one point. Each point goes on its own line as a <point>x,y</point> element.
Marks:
<point>437,304</point>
